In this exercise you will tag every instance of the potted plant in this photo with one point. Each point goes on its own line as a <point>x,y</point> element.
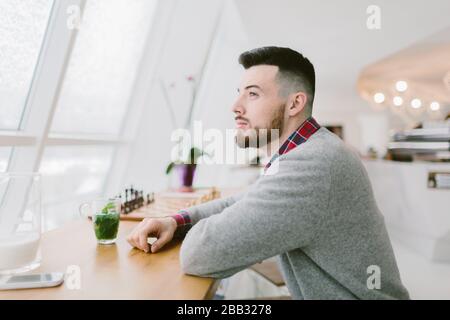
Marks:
<point>185,169</point>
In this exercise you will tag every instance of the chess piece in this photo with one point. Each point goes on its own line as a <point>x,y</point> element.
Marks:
<point>150,198</point>
<point>134,200</point>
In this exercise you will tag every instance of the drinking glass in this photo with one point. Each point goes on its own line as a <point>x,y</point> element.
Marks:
<point>105,214</point>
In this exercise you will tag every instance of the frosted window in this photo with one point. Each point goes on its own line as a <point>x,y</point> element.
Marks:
<point>58,214</point>
<point>22,28</point>
<point>70,172</point>
<point>4,158</point>
<point>5,154</point>
<point>103,66</point>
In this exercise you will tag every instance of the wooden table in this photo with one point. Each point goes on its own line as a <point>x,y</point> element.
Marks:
<point>113,271</point>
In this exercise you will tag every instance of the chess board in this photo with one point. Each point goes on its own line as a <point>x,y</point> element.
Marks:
<point>170,202</point>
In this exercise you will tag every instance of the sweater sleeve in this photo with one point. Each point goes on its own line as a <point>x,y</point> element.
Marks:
<point>207,209</point>
<point>279,213</point>
<point>186,218</point>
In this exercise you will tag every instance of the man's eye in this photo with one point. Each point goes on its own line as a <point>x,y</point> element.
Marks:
<point>253,94</point>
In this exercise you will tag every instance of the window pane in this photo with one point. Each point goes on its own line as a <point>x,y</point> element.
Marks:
<point>69,174</point>
<point>103,66</point>
<point>4,158</point>
<point>69,171</point>
<point>5,154</point>
<point>58,214</point>
<point>22,28</point>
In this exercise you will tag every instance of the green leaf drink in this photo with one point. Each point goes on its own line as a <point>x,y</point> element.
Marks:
<point>106,223</point>
<point>106,226</point>
<point>105,218</point>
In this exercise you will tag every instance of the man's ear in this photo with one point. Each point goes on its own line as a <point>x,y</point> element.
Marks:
<point>297,103</point>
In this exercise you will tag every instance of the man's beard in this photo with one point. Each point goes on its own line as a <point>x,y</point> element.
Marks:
<point>259,137</point>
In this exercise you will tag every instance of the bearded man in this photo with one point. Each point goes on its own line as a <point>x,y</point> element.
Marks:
<point>313,208</point>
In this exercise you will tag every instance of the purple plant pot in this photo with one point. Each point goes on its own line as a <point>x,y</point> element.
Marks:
<point>186,173</point>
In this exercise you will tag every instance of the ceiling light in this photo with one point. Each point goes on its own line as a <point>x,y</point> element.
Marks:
<point>378,97</point>
<point>401,86</point>
<point>416,103</point>
<point>435,106</point>
<point>398,101</point>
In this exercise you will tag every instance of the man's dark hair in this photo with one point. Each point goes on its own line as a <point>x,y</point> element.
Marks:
<point>296,72</point>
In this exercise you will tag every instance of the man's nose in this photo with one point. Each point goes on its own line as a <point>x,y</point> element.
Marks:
<point>237,107</point>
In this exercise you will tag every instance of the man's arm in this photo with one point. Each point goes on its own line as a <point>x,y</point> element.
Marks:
<point>167,228</point>
<point>280,212</point>
<point>186,218</point>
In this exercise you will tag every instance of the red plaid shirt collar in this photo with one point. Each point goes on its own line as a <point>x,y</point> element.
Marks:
<point>302,134</point>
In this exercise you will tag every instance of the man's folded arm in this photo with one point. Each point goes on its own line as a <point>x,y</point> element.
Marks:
<point>281,212</point>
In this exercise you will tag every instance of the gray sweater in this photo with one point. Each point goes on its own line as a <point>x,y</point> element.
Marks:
<point>317,213</point>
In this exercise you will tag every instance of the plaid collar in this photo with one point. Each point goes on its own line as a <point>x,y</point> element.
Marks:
<point>302,134</point>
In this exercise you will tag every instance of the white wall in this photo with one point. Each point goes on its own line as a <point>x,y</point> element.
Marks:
<point>184,50</point>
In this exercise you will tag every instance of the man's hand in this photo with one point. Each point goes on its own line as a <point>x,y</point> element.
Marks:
<point>161,228</point>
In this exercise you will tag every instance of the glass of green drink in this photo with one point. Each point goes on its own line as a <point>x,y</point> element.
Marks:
<point>105,214</point>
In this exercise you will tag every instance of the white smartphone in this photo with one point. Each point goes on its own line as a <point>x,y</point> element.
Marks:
<point>29,281</point>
